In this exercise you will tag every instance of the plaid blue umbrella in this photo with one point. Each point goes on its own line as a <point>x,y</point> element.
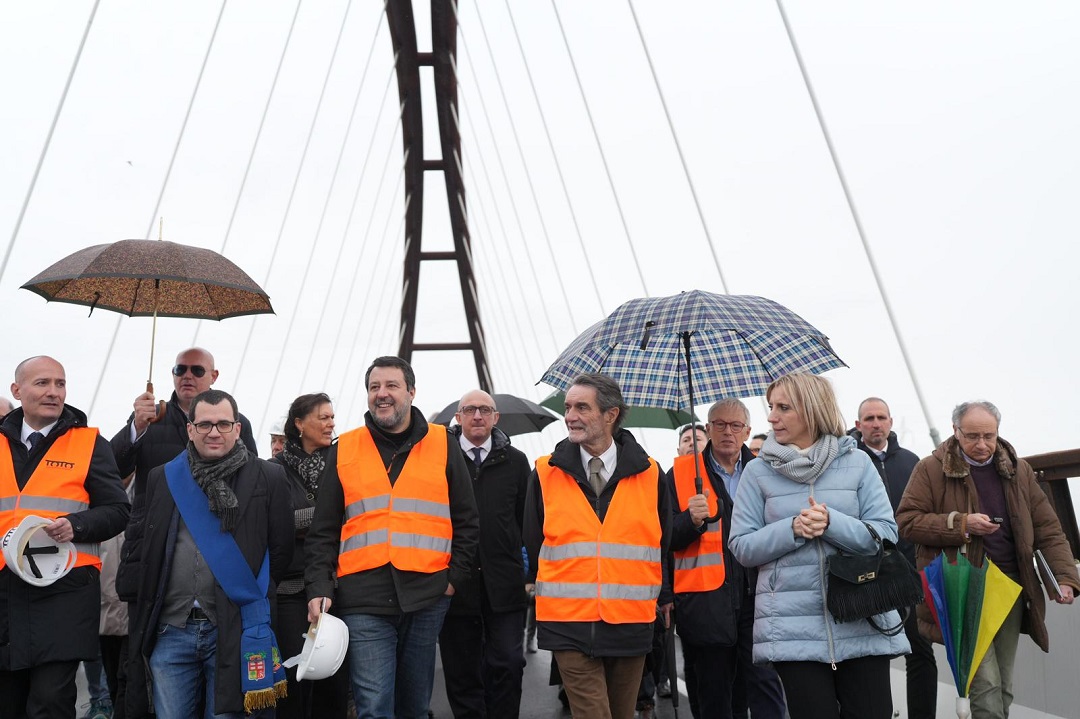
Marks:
<point>738,345</point>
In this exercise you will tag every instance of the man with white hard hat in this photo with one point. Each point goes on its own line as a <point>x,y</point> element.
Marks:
<point>55,467</point>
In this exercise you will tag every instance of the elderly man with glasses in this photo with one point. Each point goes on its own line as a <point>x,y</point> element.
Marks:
<point>975,496</point>
<point>218,536</point>
<point>714,599</point>
<point>481,639</point>
<point>147,441</point>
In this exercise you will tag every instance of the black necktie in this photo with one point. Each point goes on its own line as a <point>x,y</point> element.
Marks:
<point>477,459</point>
<point>34,438</point>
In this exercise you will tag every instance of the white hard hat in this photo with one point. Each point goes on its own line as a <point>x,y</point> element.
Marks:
<point>34,556</point>
<point>278,428</point>
<point>324,649</point>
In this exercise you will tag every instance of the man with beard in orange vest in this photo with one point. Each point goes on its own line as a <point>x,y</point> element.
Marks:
<point>394,535</point>
<point>596,528</point>
<point>55,467</point>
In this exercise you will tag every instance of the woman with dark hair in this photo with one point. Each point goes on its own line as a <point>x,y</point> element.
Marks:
<point>309,432</point>
<point>810,493</point>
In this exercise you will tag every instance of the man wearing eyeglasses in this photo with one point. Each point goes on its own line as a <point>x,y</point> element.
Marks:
<point>714,594</point>
<point>218,535</point>
<point>146,442</point>
<point>481,639</point>
<point>974,495</point>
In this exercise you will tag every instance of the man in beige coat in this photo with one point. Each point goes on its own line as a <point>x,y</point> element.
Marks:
<point>975,495</point>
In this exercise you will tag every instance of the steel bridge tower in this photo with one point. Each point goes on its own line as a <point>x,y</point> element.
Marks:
<point>442,60</point>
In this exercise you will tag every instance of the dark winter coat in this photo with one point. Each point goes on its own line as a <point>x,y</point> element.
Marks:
<point>59,622</point>
<point>300,498</point>
<point>941,485</point>
<point>895,471</point>
<point>387,590</point>
<point>161,442</point>
<point>596,639</point>
<point>499,485</point>
<point>711,617</point>
<point>265,523</point>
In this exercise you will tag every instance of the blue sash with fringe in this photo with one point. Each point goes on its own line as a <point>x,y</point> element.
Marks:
<point>262,676</point>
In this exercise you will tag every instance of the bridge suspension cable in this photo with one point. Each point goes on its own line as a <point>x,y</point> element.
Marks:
<point>48,139</point>
<point>161,193</point>
<point>524,164</point>
<point>678,148</point>
<point>600,146</point>
<point>934,436</point>
<point>318,232</point>
<point>292,192</point>
<point>558,166</point>
<point>254,148</point>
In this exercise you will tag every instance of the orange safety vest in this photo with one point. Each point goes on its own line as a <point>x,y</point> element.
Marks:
<point>591,571</point>
<point>56,488</point>
<point>699,567</point>
<point>407,524</point>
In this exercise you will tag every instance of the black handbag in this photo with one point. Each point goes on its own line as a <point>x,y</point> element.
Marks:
<point>863,586</point>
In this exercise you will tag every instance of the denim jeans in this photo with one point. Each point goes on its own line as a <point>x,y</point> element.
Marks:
<point>182,668</point>
<point>392,661</point>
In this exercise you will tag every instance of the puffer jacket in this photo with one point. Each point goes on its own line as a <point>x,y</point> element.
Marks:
<point>941,485</point>
<point>791,620</point>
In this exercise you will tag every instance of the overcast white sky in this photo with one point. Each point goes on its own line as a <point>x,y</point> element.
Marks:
<point>955,123</point>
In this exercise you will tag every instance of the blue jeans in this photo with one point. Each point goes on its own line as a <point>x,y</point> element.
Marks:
<point>392,661</point>
<point>182,668</point>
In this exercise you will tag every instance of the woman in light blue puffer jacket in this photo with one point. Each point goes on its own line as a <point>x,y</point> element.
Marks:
<point>811,494</point>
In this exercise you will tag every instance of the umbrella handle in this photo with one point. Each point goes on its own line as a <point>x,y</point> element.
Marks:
<point>160,405</point>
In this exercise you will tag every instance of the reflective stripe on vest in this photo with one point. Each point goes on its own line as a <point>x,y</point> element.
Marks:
<point>591,571</point>
<point>700,566</point>
<point>408,524</point>
<point>56,488</point>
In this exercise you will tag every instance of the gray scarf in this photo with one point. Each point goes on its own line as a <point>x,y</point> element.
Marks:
<point>212,476</point>
<point>786,459</point>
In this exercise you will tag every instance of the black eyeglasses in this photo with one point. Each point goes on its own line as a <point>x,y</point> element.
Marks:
<point>469,410</point>
<point>224,426</point>
<point>721,426</point>
<point>196,369</point>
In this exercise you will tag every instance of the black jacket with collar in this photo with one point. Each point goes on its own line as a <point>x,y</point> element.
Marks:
<point>59,622</point>
<point>596,639</point>
<point>264,525</point>
<point>386,590</point>
<point>499,485</point>
<point>711,617</point>
<point>895,471</point>
<point>161,442</point>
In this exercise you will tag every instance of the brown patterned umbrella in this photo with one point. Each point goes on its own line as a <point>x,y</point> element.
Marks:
<point>148,278</point>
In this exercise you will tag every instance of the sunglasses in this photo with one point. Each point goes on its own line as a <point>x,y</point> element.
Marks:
<point>181,369</point>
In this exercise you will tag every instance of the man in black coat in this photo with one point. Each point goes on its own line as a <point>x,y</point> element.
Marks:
<point>143,444</point>
<point>481,638</point>
<point>45,631</point>
<point>184,627</point>
<point>873,432</point>
<point>716,626</point>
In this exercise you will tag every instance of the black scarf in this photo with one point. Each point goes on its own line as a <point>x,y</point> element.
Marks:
<point>212,476</point>
<point>308,466</point>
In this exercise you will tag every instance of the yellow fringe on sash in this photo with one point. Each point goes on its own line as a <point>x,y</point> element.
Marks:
<point>265,698</point>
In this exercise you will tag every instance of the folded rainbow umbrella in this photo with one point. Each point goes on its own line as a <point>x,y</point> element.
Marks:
<point>969,604</point>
